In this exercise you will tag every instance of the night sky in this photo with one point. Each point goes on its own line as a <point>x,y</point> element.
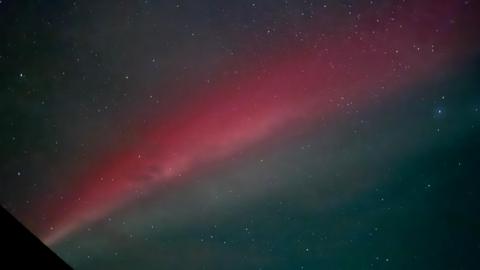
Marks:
<point>268,134</point>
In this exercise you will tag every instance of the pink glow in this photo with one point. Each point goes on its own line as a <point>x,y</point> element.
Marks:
<point>299,88</point>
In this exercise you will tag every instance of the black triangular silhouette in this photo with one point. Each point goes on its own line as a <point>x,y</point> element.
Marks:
<point>22,250</point>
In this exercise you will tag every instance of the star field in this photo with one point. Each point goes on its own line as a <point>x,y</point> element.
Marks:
<point>243,135</point>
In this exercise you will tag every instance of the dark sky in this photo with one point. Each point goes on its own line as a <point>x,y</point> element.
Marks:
<point>243,134</point>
